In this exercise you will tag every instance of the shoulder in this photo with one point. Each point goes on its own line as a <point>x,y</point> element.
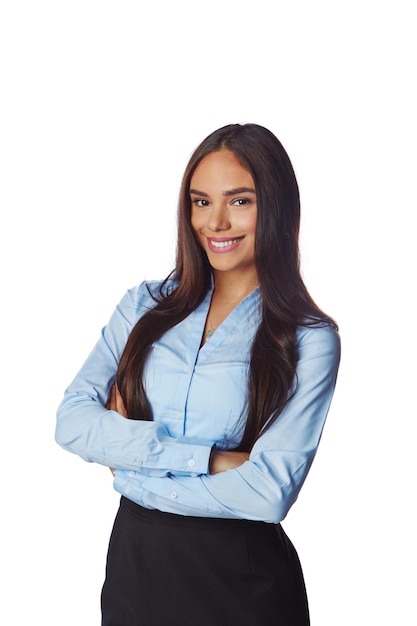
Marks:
<point>147,293</point>
<point>144,296</point>
<point>319,340</point>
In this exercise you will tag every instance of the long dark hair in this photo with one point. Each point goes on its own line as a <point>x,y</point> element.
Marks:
<point>286,302</point>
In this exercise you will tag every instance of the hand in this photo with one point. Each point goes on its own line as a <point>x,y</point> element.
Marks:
<point>115,402</point>
<point>222,460</point>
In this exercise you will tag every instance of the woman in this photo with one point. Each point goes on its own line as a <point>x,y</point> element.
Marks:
<point>225,371</point>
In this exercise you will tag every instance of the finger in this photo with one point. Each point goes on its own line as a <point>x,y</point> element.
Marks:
<point>119,403</point>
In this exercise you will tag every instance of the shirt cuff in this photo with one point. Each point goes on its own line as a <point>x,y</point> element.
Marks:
<point>195,456</point>
<point>183,456</point>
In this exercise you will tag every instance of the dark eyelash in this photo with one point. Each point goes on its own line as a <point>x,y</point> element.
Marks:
<point>242,201</point>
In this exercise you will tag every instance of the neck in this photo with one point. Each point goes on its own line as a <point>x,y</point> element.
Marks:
<point>233,287</point>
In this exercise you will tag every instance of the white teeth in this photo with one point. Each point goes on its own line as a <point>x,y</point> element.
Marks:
<point>224,244</point>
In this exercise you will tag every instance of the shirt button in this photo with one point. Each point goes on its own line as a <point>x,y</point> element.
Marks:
<point>139,461</point>
<point>131,474</point>
<point>178,415</point>
<point>128,490</point>
<point>187,370</point>
<point>174,495</point>
<point>191,463</point>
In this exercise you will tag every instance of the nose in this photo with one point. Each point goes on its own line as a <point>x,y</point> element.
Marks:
<point>218,219</point>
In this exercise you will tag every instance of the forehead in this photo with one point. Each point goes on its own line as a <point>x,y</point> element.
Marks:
<point>221,169</point>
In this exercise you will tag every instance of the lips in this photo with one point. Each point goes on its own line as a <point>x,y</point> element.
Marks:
<point>221,245</point>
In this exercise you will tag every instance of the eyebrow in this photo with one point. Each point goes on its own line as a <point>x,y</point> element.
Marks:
<point>229,192</point>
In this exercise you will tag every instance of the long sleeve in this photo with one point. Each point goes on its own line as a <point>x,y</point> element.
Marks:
<point>85,427</point>
<point>265,487</point>
<point>198,399</point>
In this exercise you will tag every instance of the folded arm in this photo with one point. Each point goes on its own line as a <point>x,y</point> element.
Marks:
<point>87,428</point>
<point>220,460</point>
<point>264,486</point>
<point>187,475</point>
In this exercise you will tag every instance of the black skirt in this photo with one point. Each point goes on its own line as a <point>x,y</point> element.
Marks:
<point>171,570</point>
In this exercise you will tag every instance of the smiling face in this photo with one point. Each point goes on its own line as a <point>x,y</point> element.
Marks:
<point>224,212</point>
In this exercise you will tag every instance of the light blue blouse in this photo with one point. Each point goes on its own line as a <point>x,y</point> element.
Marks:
<point>198,398</point>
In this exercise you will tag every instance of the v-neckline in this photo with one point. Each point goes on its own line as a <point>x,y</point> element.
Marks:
<point>227,325</point>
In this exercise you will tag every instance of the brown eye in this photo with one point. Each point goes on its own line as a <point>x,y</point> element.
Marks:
<point>200,202</point>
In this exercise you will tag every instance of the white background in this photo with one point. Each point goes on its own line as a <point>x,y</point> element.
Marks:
<point>102,104</point>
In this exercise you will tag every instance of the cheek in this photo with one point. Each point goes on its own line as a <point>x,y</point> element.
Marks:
<point>250,223</point>
<point>196,222</point>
